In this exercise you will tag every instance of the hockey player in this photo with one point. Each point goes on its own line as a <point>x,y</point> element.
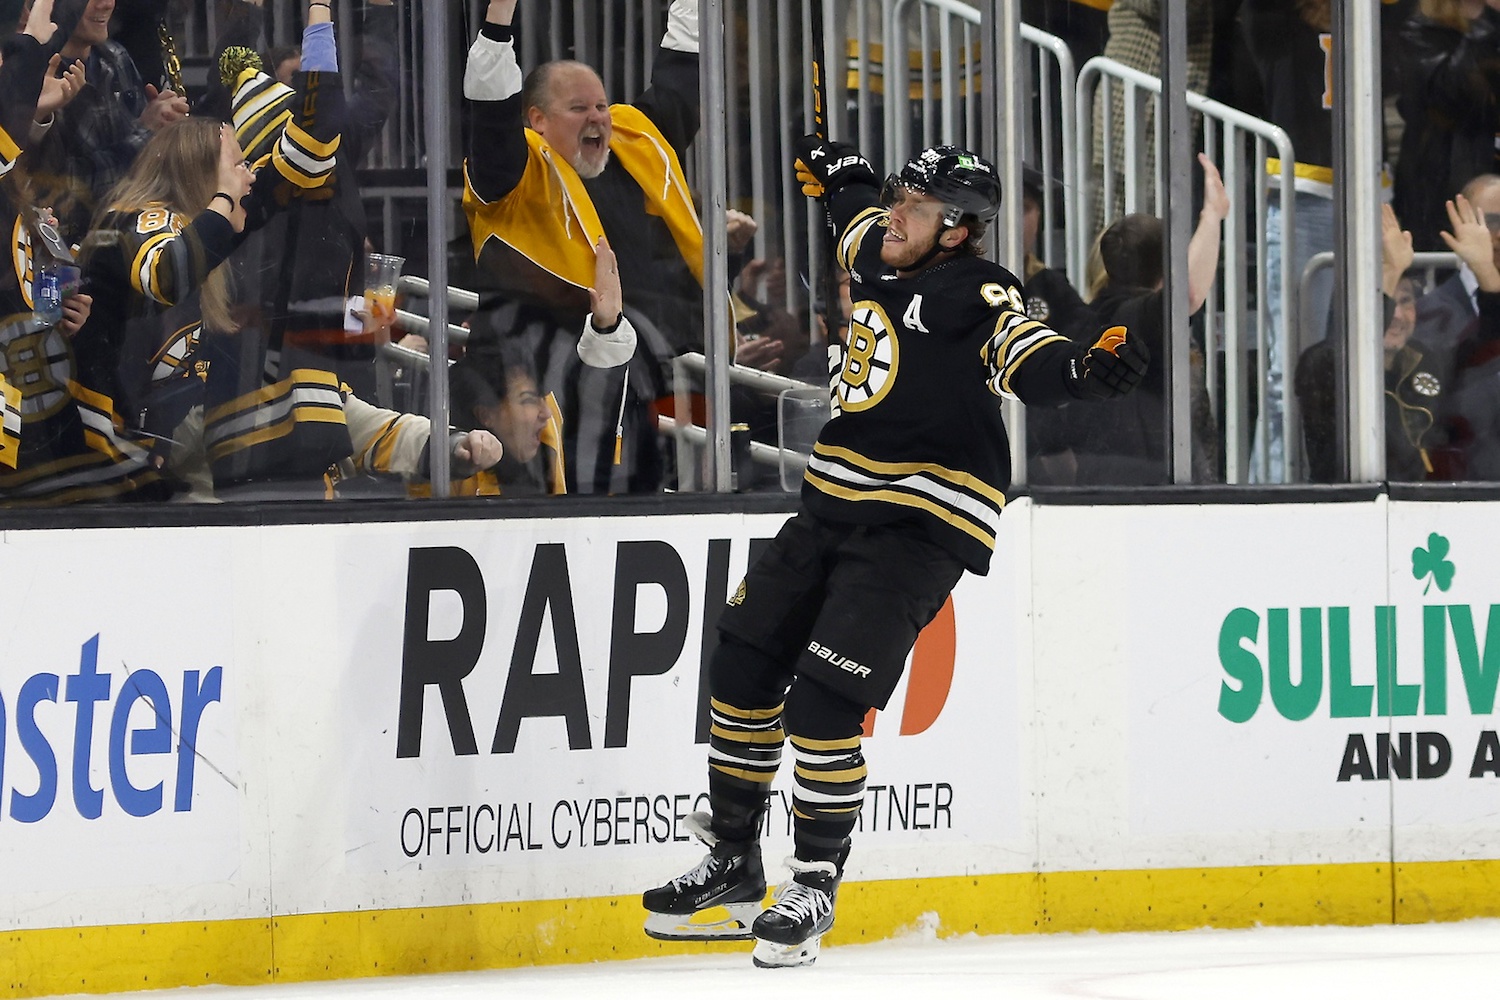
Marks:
<point>902,494</point>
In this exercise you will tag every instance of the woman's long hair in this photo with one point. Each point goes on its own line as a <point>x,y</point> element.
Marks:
<point>179,170</point>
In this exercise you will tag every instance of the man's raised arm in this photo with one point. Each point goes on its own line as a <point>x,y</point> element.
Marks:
<point>492,89</point>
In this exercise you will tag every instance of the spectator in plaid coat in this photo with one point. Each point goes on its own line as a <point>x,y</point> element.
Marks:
<point>92,143</point>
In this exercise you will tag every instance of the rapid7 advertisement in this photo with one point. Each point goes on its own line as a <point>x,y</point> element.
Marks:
<point>538,701</point>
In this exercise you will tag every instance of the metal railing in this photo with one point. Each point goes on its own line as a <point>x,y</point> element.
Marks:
<point>691,438</point>
<point>1229,137</point>
<point>943,96</point>
<point>933,47</point>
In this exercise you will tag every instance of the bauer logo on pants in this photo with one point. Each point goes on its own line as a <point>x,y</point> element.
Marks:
<point>842,662</point>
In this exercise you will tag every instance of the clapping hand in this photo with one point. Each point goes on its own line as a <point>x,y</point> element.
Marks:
<point>163,108</point>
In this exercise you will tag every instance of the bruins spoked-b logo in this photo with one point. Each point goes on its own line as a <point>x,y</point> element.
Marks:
<point>870,360</point>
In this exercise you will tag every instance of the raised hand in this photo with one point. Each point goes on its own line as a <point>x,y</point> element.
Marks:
<point>39,24</point>
<point>739,230</point>
<point>501,11</point>
<point>1471,240</point>
<point>1215,198</point>
<point>59,89</point>
<point>1396,253</point>
<point>824,166</point>
<point>605,296</point>
<point>234,180</point>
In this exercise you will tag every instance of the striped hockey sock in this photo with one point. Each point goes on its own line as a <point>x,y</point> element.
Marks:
<point>744,751</point>
<point>827,795</point>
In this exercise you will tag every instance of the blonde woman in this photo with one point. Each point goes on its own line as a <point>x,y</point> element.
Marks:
<point>152,262</point>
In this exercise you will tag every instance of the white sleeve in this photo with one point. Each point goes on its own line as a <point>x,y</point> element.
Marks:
<point>384,440</point>
<point>606,350</point>
<point>682,27</point>
<point>492,73</point>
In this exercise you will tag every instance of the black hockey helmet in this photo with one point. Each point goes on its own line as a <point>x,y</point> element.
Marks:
<point>965,182</point>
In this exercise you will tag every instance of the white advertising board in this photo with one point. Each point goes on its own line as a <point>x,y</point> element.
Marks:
<point>122,780</point>
<point>1445,769</point>
<point>1190,724</point>
<point>194,722</point>
<point>521,714</point>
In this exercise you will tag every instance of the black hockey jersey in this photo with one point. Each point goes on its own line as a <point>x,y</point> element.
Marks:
<point>917,431</point>
<point>1294,60</point>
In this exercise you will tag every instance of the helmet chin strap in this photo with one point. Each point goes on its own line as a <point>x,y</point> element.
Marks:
<point>926,258</point>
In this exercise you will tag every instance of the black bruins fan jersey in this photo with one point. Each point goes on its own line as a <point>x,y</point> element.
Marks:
<point>50,459</point>
<point>1294,60</point>
<point>917,431</point>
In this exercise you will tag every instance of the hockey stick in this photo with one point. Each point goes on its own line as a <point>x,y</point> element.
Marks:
<point>830,287</point>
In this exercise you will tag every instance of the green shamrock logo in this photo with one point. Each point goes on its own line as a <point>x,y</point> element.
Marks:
<point>1432,561</point>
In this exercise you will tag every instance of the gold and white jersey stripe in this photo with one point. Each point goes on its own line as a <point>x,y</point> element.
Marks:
<point>959,499</point>
<point>1015,339</point>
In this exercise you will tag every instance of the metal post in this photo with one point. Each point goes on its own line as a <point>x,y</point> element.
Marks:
<point>1356,169</point>
<point>435,81</point>
<point>1173,163</point>
<point>715,268</point>
<point>1005,107</point>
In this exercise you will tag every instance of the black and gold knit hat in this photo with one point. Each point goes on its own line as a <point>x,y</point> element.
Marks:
<point>261,105</point>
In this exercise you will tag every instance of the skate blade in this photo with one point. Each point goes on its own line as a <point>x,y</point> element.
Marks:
<point>699,927</point>
<point>770,955</point>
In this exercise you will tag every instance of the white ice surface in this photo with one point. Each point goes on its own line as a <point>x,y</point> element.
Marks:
<point>1425,962</point>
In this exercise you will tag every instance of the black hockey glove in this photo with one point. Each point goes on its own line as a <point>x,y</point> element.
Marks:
<point>824,166</point>
<point>1112,367</point>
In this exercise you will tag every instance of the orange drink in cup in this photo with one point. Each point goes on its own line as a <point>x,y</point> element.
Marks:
<point>382,271</point>
<point>380,303</point>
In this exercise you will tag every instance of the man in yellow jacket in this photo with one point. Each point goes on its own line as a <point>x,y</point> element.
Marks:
<point>552,168</point>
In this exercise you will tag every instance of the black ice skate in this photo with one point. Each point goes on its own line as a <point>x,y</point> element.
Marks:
<point>729,876</point>
<point>788,933</point>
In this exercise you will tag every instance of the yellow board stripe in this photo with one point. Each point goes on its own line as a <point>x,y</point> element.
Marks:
<point>324,946</point>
